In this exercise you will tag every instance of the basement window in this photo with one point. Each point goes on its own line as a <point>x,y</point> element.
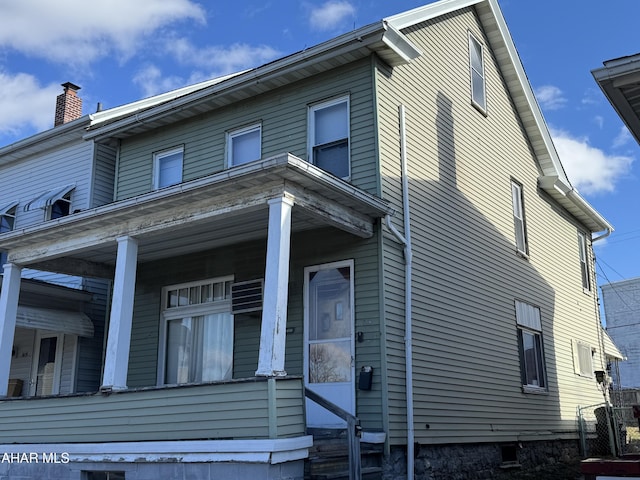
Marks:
<point>104,476</point>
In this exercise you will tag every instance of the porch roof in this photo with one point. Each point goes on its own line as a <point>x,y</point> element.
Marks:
<point>220,209</point>
<point>65,321</point>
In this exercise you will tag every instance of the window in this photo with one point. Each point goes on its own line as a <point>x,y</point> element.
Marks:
<point>198,332</point>
<point>167,167</point>
<point>518,218</point>
<point>530,347</point>
<point>244,145</point>
<point>56,203</point>
<point>7,222</point>
<point>584,264</point>
<point>476,64</point>
<point>329,136</point>
<point>583,359</point>
<point>104,476</point>
<point>59,208</point>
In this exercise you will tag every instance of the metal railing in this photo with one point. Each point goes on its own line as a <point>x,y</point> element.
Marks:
<point>353,432</point>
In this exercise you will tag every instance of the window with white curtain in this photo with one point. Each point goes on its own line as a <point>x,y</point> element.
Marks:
<point>198,331</point>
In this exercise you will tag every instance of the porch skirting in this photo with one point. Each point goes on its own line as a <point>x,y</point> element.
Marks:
<point>206,459</point>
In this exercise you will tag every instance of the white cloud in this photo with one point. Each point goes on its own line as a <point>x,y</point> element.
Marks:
<point>24,103</point>
<point>623,138</point>
<point>331,15</point>
<point>75,33</point>
<point>220,60</point>
<point>550,97</point>
<point>152,82</point>
<point>589,169</point>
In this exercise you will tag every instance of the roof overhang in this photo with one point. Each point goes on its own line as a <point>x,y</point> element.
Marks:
<point>553,179</point>
<point>63,321</point>
<point>220,209</point>
<point>619,80</point>
<point>380,38</point>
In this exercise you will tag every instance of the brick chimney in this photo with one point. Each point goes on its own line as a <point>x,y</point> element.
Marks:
<point>68,105</point>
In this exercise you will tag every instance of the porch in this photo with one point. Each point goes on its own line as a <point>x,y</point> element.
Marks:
<point>245,409</point>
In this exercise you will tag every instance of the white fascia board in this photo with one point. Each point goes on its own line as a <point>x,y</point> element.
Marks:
<point>271,451</point>
<point>427,12</point>
<point>146,103</point>
<point>369,35</point>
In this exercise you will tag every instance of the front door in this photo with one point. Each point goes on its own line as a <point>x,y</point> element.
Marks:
<point>329,346</point>
<point>47,364</point>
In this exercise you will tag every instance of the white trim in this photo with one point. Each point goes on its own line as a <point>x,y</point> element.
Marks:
<point>271,451</point>
<point>157,157</point>
<point>237,133</point>
<point>473,41</point>
<point>8,311</point>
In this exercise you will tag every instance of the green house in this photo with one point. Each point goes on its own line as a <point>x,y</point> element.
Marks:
<point>381,220</point>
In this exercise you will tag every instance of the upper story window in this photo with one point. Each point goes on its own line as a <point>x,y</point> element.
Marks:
<point>59,208</point>
<point>56,203</point>
<point>244,145</point>
<point>584,261</point>
<point>7,223</point>
<point>8,217</point>
<point>329,136</point>
<point>532,366</point>
<point>167,167</point>
<point>476,65</point>
<point>518,218</point>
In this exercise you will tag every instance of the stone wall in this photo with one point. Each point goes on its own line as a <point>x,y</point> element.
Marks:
<point>509,461</point>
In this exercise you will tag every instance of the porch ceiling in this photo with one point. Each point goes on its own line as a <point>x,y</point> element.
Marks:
<point>221,209</point>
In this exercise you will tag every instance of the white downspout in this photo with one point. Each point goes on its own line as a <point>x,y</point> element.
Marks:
<point>408,335</point>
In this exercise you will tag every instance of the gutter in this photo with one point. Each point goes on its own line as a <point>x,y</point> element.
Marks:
<point>405,240</point>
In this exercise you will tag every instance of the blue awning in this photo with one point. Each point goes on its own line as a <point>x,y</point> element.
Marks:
<point>5,208</point>
<point>48,198</point>
<point>62,321</point>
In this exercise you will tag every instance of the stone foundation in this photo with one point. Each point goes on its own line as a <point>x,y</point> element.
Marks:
<point>505,461</point>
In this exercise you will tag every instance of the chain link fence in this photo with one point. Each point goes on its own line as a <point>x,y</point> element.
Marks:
<point>608,431</point>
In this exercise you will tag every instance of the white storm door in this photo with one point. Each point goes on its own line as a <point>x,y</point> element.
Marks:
<point>329,343</point>
<point>47,364</point>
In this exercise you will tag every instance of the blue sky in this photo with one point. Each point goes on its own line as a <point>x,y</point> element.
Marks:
<point>119,51</point>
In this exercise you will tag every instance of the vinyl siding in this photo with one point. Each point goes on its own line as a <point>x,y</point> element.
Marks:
<point>283,116</point>
<point>234,410</point>
<point>103,175</point>
<point>466,274</point>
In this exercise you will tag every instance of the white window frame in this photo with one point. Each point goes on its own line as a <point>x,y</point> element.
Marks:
<point>232,135</point>
<point>583,358</point>
<point>528,321</point>
<point>157,159</point>
<point>585,271</point>
<point>312,145</point>
<point>477,71</point>
<point>168,313</point>
<point>519,222</point>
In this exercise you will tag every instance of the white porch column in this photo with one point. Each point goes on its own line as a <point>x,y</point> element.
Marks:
<point>119,338</point>
<point>276,290</point>
<point>8,312</point>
